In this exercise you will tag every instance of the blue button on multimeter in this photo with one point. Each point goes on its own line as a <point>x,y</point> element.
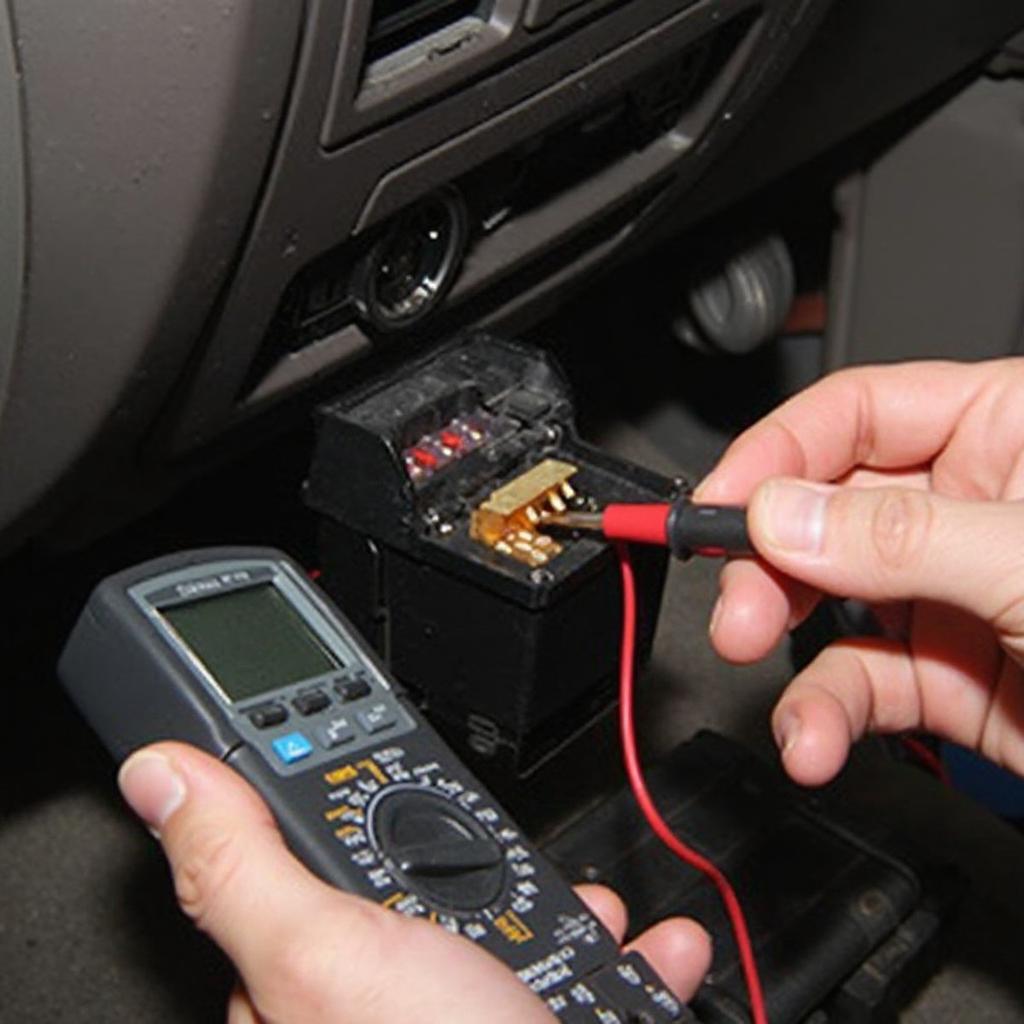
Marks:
<point>293,747</point>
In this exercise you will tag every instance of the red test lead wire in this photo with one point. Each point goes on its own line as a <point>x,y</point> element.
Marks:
<point>650,810</point>
<point>927,758</point>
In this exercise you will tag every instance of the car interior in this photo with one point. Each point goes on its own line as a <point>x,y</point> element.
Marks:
<point>339,277</point>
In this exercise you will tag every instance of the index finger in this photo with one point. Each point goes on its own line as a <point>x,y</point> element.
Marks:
<point>881,417</point>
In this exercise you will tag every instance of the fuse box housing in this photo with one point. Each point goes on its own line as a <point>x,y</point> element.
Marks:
<point>511,658</point>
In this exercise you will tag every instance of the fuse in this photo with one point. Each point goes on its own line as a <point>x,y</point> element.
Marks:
<point>424,459</point>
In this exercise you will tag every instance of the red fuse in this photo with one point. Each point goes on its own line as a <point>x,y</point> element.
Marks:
<point>423,458</point>
<point>451,440</point>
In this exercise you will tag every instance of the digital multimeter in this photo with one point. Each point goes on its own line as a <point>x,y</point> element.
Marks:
<point>235,651</point>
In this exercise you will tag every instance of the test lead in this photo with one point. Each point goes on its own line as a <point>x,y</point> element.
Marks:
<point>683,526</point>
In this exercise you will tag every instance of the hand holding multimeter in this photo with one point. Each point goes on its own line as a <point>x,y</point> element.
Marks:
<point>235,652</point>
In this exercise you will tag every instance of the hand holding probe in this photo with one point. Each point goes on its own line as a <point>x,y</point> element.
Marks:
<point>684,527</point>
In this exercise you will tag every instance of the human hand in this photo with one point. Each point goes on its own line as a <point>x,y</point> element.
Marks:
<point>909,497</point>
<point>308,953</point>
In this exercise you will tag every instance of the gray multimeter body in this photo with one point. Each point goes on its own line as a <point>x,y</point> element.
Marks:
<point>235,651</point>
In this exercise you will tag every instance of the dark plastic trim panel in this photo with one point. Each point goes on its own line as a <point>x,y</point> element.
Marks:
<point>148,131</point>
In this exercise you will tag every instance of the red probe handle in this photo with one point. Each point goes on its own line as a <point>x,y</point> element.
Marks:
<point>686,528</point>
<point>642,524</point>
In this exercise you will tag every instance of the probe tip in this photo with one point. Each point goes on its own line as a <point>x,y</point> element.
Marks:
<point>575,521</point>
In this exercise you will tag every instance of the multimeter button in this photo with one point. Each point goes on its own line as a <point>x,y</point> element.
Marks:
<point>311,702</point>
<point>377,718</point>
<point>293,747</point>
<point>352,689</point>
<point>336,732</point>
<point>267,715</point>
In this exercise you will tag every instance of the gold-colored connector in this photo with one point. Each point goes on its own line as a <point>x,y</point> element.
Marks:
<point>508,520</point>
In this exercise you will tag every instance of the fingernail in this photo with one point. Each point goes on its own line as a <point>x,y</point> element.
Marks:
<point>716,614</point>
<point>787,732</point>
<point>794,516</point>
<point>151,787</point>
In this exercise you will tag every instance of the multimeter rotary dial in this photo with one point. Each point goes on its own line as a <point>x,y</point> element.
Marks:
<point>439,849</point>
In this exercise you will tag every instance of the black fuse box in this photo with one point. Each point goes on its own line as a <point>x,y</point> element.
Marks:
<point>511,643</point>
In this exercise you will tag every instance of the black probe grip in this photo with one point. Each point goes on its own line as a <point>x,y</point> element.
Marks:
<point>707,530</point>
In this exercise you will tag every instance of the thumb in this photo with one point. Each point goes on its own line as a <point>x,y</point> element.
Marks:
<point>232,872</point>
<point>886,544</point>
<point>306,952</point>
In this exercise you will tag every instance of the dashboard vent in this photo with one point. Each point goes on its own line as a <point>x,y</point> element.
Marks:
<point>396,24</point>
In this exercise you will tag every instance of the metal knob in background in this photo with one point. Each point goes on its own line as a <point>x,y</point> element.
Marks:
<point>741,305</point>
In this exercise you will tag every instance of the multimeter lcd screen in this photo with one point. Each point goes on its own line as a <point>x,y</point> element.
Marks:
<point>251,641</point>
